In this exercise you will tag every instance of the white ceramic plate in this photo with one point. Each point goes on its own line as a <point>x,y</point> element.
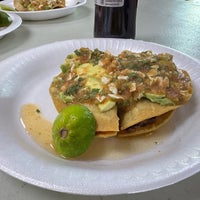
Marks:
<point>25,78</point>
<point>16,22</point>
<point>47,14</point>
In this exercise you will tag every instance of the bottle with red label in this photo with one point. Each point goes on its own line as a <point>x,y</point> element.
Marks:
<point>115,18</point>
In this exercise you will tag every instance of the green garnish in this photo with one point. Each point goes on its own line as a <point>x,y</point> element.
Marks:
<point>157,98</point>
<point>64,68</point>
<point>73,89</point>
<point>94,92</point>
<point>38,111</point>
<point>6,8</point>
<point>66,98</point>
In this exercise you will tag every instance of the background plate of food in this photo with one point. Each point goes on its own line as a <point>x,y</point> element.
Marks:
<point>13,22</point>
<point>111,165</point>
<point>42,10</point>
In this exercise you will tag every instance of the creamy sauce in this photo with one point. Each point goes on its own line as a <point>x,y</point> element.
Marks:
<point>112,148</point>
<point>37,126</point>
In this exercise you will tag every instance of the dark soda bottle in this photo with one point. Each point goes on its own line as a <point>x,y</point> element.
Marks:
<point>115,18</point>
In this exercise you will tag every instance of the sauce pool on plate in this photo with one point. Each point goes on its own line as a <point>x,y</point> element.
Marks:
<point>112,148</point>
<point>37,126</point>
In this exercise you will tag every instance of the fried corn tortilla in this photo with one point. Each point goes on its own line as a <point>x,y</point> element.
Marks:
<point>141,111</point>
<point>146,126</point>
<point>107,122</point>
<point>129,94</point>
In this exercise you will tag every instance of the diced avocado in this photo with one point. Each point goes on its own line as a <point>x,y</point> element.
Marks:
<point>66,98</point>
<point>156,98</point>
<point>106,105</point>
<point>93,83</point>
<point>93,75</point>
<point>90,70</point>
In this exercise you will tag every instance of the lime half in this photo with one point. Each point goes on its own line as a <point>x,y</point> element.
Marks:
<point>73,130</point>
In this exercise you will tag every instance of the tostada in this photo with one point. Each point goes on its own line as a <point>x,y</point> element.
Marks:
<point>129,94</point>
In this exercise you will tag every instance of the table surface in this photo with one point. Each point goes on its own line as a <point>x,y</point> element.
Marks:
<point>174,23</point>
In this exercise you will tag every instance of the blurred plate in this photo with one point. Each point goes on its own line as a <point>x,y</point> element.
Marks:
<point>112,166</point>
<point>47,14</point>
<point>16,22</point>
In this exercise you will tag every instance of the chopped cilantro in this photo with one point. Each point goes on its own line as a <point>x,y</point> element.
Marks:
<point>73,89</point>
<point>80,79</point>
<point>96,56</point>
<point>94,92</point>
<point>83,52</point>
<point>132,75</point>
<point>77,52</point>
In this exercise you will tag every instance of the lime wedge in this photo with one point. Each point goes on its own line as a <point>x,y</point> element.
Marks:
<point>6,8</point>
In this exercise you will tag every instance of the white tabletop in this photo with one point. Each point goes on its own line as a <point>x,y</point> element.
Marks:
<point>174,23</point>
